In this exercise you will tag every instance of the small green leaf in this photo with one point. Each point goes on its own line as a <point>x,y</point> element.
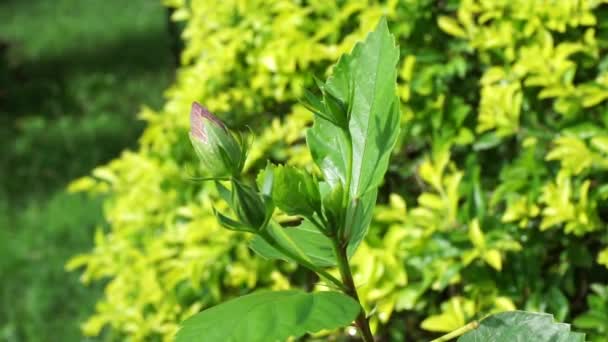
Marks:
<point>358,217</point>
<point>224,192</point>
<point>329,147</point>
<point>487,141</point>
<point>309,241</point>
<point>454,314</point>
<point>493,258</point>
<point>248,205</point>
<point>600,143</point>
<point>332,205</point>
<point>231,224</point>
<point>476,235</point>
<point>521,326</point>
<point>265,181</point>
<point>270,316</point>
<point>450,25</point>
<point>336,110</point>
<point>313,103</point>
<point>295,192</point>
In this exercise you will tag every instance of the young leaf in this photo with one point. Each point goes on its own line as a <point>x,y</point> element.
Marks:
<point>295,191</point>
<point>249,205</point>
<point>330,148</point>
<point>316,246</point>
<point>358,217</point>
<point>332,205</point>
<point>364,82</point>
<point>358,158</point>
<point>316,105</point>
<point>270,316</point>
<point>521,326</point>
<point>231,224</point>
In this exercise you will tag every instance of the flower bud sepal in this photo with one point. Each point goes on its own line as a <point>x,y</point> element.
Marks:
<point>253,210</point>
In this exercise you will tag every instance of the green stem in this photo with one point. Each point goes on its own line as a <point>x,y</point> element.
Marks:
<point>458,332</point>
<point>351,290</point>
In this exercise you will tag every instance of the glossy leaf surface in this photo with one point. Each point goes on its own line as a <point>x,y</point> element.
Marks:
<point>304,239</point>
<point>270,316</point>
<point>514,326</point>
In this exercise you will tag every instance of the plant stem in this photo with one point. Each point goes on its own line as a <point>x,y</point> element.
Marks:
<point>349,172</point>
<point>351,290</point>
<point>458,332</point>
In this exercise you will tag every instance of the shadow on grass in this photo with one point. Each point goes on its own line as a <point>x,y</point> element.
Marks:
<point>60,116</point>
<point>32,84</point>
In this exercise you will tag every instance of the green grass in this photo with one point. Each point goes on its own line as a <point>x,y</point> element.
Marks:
<point>73,75</point>
<point>39,299</point>
<point>86,60</point>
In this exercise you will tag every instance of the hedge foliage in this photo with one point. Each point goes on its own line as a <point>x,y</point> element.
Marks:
<point>496,198</point>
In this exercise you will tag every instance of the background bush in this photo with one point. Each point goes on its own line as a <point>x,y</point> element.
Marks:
<point>72,76</point>
<point>496,197</point>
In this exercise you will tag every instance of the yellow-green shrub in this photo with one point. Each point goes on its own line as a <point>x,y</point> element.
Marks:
<point>497,189</point>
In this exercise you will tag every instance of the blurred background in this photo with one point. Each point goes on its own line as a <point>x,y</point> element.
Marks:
<point>73,75</point>
<point>496,199</point>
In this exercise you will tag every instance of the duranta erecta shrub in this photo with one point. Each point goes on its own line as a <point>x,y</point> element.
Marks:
<point>495,199</point>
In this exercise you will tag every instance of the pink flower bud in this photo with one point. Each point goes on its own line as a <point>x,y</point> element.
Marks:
<point>220,153</point>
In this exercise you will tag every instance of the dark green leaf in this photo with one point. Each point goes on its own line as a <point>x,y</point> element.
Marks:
<point>231,224</point>
<point>315,105</point>
<point>248,205</point>
<point>522,326</point>
<point>270,316</point>
<point>336,110</point>
<point>224,192</point>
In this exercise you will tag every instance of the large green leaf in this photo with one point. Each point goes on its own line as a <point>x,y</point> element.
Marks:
<point>267,316</point>
<point>513,326</point>
<point>306,239</point>
<point>374,113</point>
<point>364,83</point>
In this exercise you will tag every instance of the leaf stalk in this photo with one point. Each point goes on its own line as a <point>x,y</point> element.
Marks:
<point>458,332</point>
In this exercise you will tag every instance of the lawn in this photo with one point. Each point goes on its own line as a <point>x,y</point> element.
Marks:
<point>73,75</point>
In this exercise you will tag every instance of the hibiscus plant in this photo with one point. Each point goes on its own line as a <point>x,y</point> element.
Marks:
<point>356,125</point>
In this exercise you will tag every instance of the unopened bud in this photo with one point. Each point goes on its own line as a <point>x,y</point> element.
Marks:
<point>220,153</point>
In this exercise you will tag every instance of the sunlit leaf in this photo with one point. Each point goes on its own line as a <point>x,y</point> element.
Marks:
<point>270,316</point>
<point>306,239</point>
<point>521,326</point>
